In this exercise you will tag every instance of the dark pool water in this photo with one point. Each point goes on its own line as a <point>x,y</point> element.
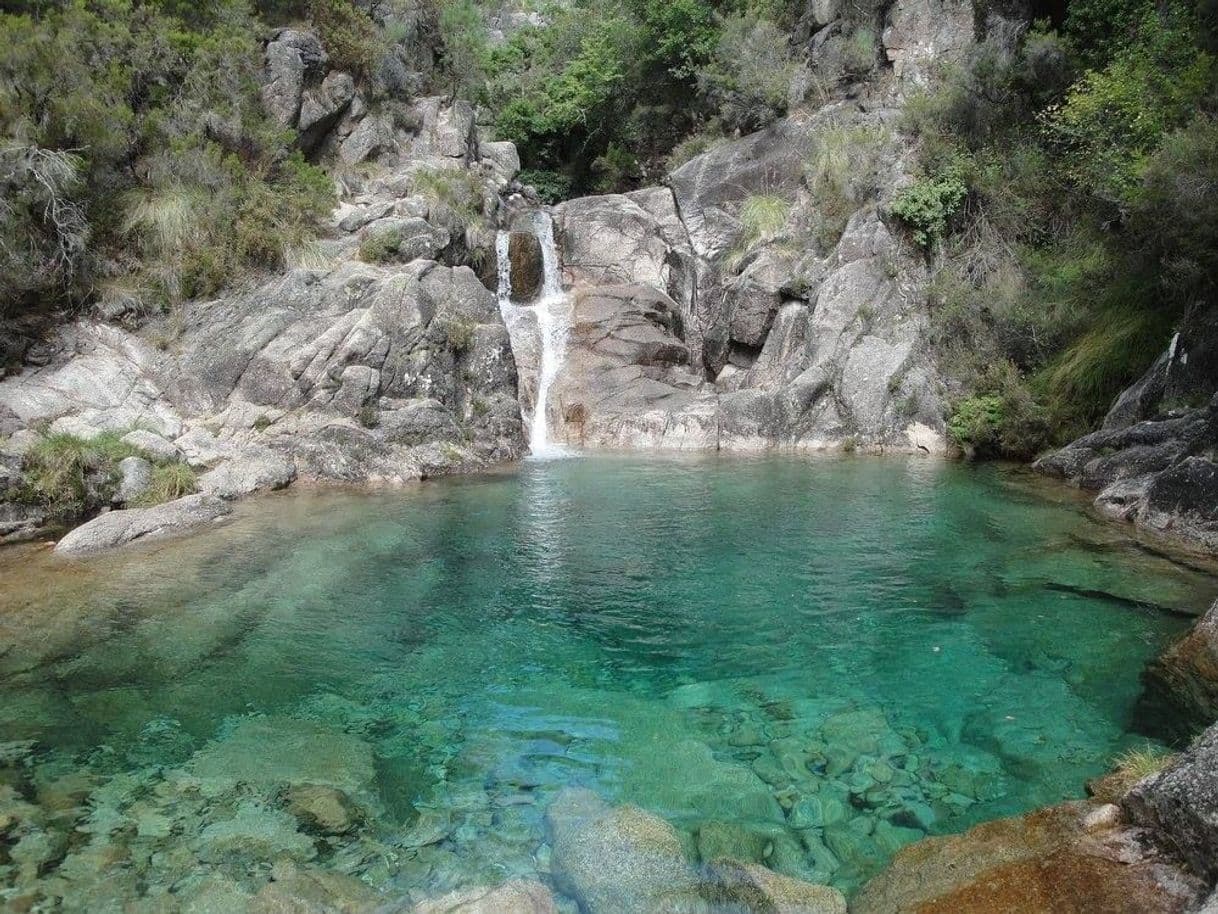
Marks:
<point>806,663</point>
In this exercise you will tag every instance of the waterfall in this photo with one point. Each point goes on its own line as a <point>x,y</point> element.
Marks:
<point>550,317</point>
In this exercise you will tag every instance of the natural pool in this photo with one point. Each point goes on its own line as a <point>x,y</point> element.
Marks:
<point>805,663</point>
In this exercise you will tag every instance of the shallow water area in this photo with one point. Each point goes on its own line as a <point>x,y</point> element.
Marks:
<point>805,663</point>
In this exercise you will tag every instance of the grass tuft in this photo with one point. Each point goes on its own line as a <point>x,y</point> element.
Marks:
<point>169,481</point>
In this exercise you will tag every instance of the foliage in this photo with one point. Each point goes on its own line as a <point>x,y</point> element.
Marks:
<point>457,191</point>
<point>693,146</point>
<point>169,481</point>
<point>927,205</point>
<point>1130,767</point>
<point>58,471</point>
<point>73,476</point>
<point>347,33</point>
<point>465,47</point>
<point>1112,119</point>
<point>749,73</point>
<point>601,94</point>
<point>551,186</point>
<point>1004,420</point>
<point>134,153</point>
<point>381,246</point>
<point>459,334</point>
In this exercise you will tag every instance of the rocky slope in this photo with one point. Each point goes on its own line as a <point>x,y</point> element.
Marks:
<point>1152,461</point>
<point>687,334</point>
<point>689,330</point>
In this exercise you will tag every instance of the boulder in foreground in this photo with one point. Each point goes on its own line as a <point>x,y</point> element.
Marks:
<point>120,528</point>
<point>1068,859</point>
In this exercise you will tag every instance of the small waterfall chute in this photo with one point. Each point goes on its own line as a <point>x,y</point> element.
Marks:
<point>549,318</point>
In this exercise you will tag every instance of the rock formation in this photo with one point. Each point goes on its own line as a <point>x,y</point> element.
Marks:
<point>1151,462</point>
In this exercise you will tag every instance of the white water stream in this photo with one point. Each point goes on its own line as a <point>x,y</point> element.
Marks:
<point>549,318</point>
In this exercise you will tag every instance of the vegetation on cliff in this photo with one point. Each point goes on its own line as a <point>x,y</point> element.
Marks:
<point>136,161</point>
<point>1069,198</point>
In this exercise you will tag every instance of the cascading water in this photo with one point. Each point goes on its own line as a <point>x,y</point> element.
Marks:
<point>550,320</point>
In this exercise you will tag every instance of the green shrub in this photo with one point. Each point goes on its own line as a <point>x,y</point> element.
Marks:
<point>927,205</point>
<point>347,33</point>
<point>693,146</point>
<point>144,160</point>
<point>551,186</point>
<point>381,246</point>
<point>616,170</point>
<point>1002,421</point>
<point>456,190</point>
<point>749,73</point>
<point>859,51</point>
<point>464,41</point>
<point>459,334</point>
<point>169,481</point>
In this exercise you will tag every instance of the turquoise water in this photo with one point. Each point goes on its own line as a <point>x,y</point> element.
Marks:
<point>806,663</point>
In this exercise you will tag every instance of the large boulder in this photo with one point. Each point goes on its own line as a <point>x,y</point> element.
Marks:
<point>322,107</point>
<point>1180,805</point>
<point>1185,676</point>
<point>922,34</point>
<point>120,528</point>
<point>1076,857</point>
<point>527,266</point>
<point>254,471</point>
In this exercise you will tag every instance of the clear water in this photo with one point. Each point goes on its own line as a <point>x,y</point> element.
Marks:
<point>806,661</point>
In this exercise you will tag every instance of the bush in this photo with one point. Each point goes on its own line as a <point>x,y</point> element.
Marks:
<point>464,55</point>
<point>347,33</point>
<point>926,206</point>
<point>693,146</point>
<point>136,153</point>
<point>456,190</point>
<point>1003,420</point>
<point>381,246</point>
<point>749,73</point>
<point>459,335</point>
<point>551,186</point>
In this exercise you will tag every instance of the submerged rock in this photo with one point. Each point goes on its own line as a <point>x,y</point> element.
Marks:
<point>271,751</point>
<point>754,888</point>
<point>619,860</point>
<point>516,897</point>
<point>1185,676</point>
<point>254,832</point>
